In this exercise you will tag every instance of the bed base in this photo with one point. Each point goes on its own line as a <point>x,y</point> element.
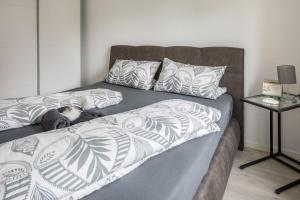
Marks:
<point>214,183</point>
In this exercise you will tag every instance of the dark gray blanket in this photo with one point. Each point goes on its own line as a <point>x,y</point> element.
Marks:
<point>181,168</point>
<point>54,120</point>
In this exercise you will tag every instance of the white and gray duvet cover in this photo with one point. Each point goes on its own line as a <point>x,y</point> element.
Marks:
<point>71,163</point>
<point>19,112</point>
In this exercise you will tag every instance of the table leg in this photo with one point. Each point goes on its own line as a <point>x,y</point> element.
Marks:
<point>279,133</point>
<point>271,133</point>
<point>288,186</point>
<point>279,153</point>
<point>271,147</point>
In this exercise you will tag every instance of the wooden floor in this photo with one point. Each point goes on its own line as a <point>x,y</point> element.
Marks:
<point>259,181</point>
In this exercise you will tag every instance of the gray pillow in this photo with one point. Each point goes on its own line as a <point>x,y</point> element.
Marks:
<point>201,81</point>
<point>136,74</point>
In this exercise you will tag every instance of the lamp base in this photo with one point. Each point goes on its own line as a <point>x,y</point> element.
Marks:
<point>288,97</point>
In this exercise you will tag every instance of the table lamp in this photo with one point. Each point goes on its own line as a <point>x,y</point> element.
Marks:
<point>286,74</point>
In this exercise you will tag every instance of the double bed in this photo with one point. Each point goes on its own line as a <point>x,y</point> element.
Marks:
<point>198,169</point>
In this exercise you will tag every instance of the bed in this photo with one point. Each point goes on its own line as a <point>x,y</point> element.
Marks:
<point>198,169</point>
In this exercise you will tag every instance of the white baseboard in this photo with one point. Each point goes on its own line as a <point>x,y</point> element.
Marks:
<point>261,147</point>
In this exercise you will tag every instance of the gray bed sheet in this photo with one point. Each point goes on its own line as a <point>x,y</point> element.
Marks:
<point>173,175</point>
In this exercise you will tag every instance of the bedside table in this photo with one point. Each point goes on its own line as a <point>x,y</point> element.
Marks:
<point>282,107</point>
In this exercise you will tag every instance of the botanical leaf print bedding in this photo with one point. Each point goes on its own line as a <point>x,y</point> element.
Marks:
<point>201,81</point>
<point>71,163</point>
<point>136,74</point>
<point>18,112</point>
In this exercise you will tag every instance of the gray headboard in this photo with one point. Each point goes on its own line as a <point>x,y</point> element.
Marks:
<point>233,58</point>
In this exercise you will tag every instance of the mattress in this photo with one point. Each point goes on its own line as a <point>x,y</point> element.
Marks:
<point>181,168</point>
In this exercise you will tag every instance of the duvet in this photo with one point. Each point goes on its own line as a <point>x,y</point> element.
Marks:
<point>18,112</point>
<point>71,163</point>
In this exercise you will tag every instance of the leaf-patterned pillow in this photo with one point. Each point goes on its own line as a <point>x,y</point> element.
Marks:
<point>136,74</point>
<point>201,81</point>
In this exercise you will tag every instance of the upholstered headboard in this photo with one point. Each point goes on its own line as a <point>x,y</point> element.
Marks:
<point>233,58</point>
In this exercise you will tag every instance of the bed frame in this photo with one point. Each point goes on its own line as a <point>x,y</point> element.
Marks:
<point>214,183</point>
<point>233,58</point>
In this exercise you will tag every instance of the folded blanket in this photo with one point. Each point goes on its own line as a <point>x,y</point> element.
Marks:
<point>72,162</point>
<point>53,119</point>
<point>18,112</point>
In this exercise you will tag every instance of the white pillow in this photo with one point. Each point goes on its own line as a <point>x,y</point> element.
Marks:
<point>136,74</point>
<point>201,81</point>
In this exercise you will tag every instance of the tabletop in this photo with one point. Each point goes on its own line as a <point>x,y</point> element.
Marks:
<point>286,102</point>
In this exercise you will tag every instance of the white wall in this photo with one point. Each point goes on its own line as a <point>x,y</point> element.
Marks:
<point>60,62</point>
<point>268,30</point>
<point>18,75</point>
